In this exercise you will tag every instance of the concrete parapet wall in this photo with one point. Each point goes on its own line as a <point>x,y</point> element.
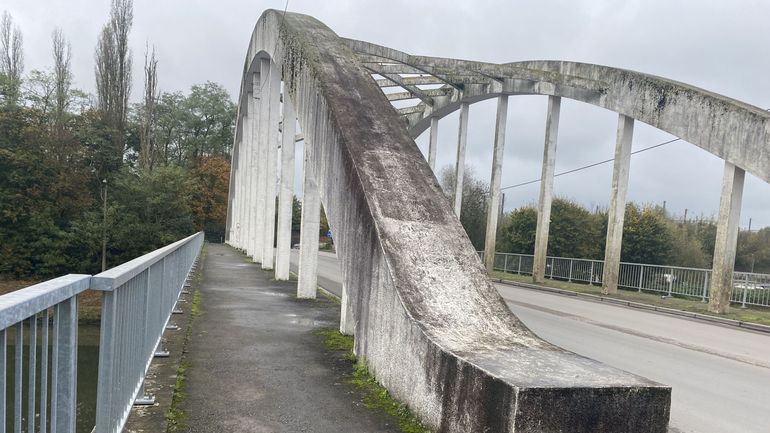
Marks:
<point>428,322</point>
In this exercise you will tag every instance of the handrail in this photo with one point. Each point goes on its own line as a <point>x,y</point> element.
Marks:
<point>23,307</point>
<point>138,300</point>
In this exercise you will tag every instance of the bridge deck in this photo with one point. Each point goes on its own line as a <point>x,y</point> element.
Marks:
<point>255,365</point>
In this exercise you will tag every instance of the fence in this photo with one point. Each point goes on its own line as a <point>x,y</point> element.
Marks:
<point>748,288</point>
<point>138,300</point>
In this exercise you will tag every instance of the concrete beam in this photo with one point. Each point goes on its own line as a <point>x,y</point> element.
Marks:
<point>286,197</point>
<point>462,140</point>
<point>433,143</point>
<point>726,239</point>
<point>546,189</point>
<point>493,207</point>
<point>307,284</point>
<point>617,210</point>
<point>274,113</point>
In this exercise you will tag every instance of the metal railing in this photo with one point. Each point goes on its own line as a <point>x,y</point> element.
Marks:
<point>138,300</point>
<point>54,299</point>
<point>748,288</point>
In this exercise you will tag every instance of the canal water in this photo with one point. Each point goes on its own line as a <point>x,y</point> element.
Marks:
<point>88,362</point>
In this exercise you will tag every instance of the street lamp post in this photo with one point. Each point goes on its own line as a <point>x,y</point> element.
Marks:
<point>104,228</point>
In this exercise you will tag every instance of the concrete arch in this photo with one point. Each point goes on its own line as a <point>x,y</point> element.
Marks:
<point>737,132</point>
<point>428,322</point>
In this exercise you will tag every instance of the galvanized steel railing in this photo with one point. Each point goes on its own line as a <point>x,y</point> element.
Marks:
<point>749,288</point>
<point>54,299</point>
<point>138,300</point>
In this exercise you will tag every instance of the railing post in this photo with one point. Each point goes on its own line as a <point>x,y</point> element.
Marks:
<point>106,361</point>
<point>518,271</point>
<point>670,281</point>
<point>570,270</point>
<point>64,368</point>
<point>641,277</point>
<point>552,266</point>
<point>705,286</point>
<point>745,289</point>
<point>591,278</point>
<point>505,265</point>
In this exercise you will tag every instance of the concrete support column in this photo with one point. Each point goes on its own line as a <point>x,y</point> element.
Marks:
<point>244,168</point>
<point>262,125</point>
<point>462,139</point>
<point>493,208</point>
<point>309,229</point>
<point>234,195</point>
<point>250,134</point>
<point>546,189</point>
<point>433,143</point>
<point>231,194</point>
<point>274,113</point>
<point>286,196</point>
<point>347,315</point>
<point>727,239</point>
<point>617,211</point>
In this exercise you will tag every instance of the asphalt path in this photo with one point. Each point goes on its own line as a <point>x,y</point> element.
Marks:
<point>720,376</point>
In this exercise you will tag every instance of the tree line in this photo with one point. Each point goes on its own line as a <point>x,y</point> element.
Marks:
<point>81,173</point>
<point>651,235</point>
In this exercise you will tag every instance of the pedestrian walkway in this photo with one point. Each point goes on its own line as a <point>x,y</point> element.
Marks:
<point>255,364</point>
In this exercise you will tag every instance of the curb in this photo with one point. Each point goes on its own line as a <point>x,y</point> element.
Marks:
<point>640,306</point>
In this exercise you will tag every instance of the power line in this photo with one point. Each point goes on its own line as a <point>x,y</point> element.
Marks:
<point>594,164</point>
<point>591,165</point>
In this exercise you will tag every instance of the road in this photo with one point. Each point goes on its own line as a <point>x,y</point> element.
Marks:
<point>720,376</point>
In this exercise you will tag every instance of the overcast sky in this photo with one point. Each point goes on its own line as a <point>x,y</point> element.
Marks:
<point>721,46</point>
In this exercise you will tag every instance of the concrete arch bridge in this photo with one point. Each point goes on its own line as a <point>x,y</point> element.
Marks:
<point>425,316</point>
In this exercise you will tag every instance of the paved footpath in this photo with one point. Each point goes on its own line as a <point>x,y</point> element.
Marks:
<point>255,365</point>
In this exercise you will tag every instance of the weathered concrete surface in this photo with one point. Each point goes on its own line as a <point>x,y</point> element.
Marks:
<point>725,245</point>
<point>255,365</point>
<point>732,130</point>
<point>546,189</point>
<point>616,214</point>
<point>429,323</point>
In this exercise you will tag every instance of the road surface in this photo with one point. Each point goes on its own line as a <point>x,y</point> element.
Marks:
<point>720,376</point>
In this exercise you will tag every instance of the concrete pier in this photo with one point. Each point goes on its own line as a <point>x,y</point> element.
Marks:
<point>261,163</point>
<point>274,113</point>
<point>462,140</point>
<point>286,197</point>
<point>617,210</point>
<point>307,285</point>
<point>546,189</point>
<point>726,241</point>
<point>433,143</point>
<point>493,207</point>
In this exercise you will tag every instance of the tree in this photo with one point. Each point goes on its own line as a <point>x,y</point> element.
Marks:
<point>473,213</point>
<point>646,238</point>
<point>62,78</point>
<point>113,69</point>
<point>210,180</point>
<point>517,231</point>
<point>147,137</point>
<point>11,58</point>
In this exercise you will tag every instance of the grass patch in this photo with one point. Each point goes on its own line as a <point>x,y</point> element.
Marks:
<point>375,396</point>
<point>176,415</point>
<point>750,315</point>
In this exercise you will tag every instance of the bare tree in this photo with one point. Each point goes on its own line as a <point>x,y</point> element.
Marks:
<point>113,68</point>
<point>147,138</point>
<point>11,56</point>
<point>62,54</point>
